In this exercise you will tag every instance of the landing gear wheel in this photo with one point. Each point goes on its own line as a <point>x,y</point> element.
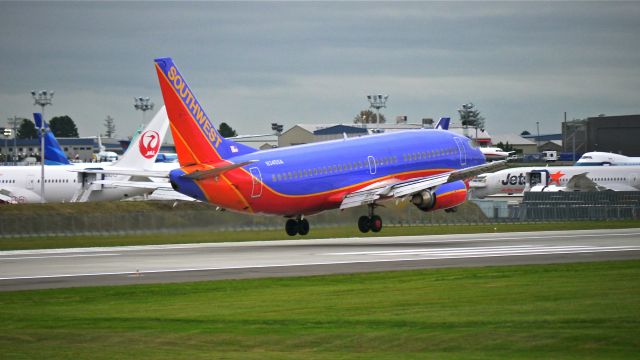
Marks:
<point>291,227</point>
<point>376,223</point>
<point>363,224</point>
<point>303,227</point>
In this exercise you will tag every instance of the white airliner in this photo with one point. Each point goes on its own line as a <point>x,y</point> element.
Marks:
<point>597,158</point>
<point>557,178</point>
<point>494,153</point>
<point>21,184</point>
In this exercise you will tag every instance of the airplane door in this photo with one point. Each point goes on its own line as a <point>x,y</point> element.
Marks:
<point>372,165</point>
<point>256,189</point>
<point>462,151</point>
<point>31,180</point>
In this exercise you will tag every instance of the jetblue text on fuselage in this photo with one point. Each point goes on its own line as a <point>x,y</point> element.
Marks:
<point>514,180</point>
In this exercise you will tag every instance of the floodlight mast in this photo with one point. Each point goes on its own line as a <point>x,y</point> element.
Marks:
<point>42,98</point>
<point>378,102</point>
<point>143,104</point>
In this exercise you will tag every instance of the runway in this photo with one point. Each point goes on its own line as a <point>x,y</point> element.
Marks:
<point>39,269</point>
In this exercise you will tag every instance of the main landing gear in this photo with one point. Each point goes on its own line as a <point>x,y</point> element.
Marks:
<point>297,226</point>
<point>371,222</point>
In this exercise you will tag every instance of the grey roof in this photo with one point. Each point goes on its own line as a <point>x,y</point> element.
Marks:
<point>512,139</point>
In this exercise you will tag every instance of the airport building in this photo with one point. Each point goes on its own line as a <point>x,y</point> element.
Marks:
<point>617,134</point>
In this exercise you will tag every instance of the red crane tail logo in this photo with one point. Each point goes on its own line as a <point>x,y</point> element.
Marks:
<point>149,144</point>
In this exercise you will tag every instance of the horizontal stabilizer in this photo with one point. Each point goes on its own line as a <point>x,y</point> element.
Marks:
<point>151,185</point>
<point>203,174</point>
<point>126,172</point>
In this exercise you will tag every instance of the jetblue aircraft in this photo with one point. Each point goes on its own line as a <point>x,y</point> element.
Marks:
<point>426,166</point>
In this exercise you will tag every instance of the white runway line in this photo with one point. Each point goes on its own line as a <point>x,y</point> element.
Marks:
<point>486,250</point>
<point>55,256</point>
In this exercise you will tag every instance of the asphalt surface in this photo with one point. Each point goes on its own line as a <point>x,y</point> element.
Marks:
<point>40,269</point>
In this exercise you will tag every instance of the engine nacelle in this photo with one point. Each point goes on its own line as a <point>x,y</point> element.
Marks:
<point>424,200</point>
<point>446,196</point>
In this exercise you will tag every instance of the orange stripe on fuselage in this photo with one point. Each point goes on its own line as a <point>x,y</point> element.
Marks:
<point>272,202</point>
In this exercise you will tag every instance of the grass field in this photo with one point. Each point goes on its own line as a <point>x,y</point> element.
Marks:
<point>572,311</point>
<point>41,242</point>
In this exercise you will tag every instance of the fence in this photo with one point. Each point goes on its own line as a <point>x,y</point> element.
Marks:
<point>119,219</point>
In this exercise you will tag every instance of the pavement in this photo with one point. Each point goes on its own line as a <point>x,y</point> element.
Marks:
<point>58,268</point>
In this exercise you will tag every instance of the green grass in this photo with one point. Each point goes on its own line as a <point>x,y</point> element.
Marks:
<point>42,242</point>
<point>573,311</point>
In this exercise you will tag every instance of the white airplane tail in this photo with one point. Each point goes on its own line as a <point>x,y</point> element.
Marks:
<point>143,150</point>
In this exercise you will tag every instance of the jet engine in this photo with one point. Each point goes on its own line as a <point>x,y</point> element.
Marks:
<point>445,196</point>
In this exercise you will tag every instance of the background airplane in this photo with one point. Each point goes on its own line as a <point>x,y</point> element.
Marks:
<point>495,153</point>
<point>557,178</point>
<point>597,158</point>
<point>21,184</point>
<point>53,153</point>
<point>426,166</point>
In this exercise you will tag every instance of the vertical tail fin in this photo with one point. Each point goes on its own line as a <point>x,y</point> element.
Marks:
<point>53,153</point>
<point>443,123</point>
<point>196,138</point>
<point>142,153</point>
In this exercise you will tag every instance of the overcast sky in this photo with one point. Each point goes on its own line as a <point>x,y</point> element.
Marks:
<point>251,64</point>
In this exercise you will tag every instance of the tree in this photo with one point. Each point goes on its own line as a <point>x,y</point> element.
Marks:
<point>525,133</point>
<point>63,126</point>
<point>470,117</point>
<point>110,126</point>
<point>227,131</point>
<point>368,117</point>
<point>27,130</point>
<point>505,147</point>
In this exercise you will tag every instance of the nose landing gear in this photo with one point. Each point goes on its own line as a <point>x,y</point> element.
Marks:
<point>297,226</point>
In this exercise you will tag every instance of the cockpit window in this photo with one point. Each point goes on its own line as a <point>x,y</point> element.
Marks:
<point>472,144</point>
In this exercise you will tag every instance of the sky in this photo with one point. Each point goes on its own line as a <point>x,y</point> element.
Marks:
<point>254,63</point>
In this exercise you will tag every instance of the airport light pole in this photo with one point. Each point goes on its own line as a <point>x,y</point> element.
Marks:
<point>378,102</point>
<point>42,98</point>
<point>14,123</point>
<point>6,132</point>
<point>143,104</point>
<point>538,137</point>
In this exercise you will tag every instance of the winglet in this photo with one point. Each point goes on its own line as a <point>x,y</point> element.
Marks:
<point>53,153</point>
<point>443,123</point>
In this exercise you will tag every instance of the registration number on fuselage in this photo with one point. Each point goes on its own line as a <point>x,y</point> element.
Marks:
<point>274,162</point>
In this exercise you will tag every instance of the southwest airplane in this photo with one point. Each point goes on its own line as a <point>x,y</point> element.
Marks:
<point>21,184</point>
<point>427,166</point>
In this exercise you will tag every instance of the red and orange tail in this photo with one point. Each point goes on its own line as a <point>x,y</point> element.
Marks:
<point>196,139</point>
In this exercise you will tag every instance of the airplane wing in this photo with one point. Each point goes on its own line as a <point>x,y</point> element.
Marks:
<point>15,195</point>
<point>581,182</point>
<point>413,186</point>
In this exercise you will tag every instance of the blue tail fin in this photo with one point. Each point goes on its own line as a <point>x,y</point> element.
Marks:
<point>443,123</point>
<point>53,154</point>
